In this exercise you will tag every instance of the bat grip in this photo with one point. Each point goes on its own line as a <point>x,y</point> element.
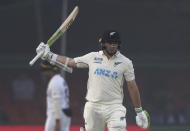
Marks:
<point>35,58</point>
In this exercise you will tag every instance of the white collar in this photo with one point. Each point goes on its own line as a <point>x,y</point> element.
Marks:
<point>116,54</point>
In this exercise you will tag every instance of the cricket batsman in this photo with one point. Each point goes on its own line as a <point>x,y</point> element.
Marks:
<point>108,69</point>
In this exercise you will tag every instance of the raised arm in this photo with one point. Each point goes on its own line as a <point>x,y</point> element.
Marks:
<point>63,62</point>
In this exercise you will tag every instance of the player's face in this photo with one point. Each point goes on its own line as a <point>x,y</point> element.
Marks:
<point>111,48</point>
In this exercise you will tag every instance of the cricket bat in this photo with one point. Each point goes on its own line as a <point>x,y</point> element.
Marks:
<point>60,31</point>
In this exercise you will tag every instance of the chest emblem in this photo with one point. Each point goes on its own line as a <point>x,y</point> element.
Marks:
<point>105,73</point>
<point>116,63</point>
<point>98,60</point>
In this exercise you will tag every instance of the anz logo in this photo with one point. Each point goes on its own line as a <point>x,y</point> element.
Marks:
<point>106,73</point>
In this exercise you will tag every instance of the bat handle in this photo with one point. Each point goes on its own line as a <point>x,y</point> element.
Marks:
<point>36,58</point>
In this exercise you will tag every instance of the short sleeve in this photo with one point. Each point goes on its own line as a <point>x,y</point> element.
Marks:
<point>83,61</point>
<point>129,71</point>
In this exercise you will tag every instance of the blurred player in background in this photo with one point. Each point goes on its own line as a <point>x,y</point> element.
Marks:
<point>58,111</point>
<point>108,69</point>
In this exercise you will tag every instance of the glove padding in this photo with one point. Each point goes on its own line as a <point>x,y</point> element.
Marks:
<point>46,51</point>
<point>143,119</point>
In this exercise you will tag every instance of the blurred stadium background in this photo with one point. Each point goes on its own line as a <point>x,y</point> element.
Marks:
<point>155,35</point>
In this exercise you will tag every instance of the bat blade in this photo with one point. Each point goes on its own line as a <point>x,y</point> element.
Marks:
<point>64,26</point>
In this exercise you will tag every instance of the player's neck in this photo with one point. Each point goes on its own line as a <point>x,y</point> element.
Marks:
<point>107,55</point>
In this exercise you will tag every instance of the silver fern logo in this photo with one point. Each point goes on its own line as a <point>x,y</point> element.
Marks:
<point>117,63</point>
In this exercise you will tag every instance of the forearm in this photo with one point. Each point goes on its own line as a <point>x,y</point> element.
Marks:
<point>46,54</point>
<point>142,118</point>
<point>66,60</point>
<point>134,93</point>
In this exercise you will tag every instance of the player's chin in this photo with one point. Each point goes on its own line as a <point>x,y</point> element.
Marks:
<point>113,51</point>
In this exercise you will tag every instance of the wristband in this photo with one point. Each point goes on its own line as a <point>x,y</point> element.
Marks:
<point>54,57</point>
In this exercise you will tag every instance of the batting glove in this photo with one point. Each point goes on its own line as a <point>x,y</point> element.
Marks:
<point>45,50</point>
<point>142,118</point>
